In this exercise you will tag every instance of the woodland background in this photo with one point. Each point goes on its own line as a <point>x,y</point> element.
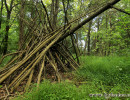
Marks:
<point>100,48</point>
<point>106,34</point>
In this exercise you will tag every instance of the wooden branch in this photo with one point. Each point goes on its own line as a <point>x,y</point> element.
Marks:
<point>1,5</point>
<point>15,5</point>
<point>9,55</point>
<point>75,48</point>
<point>29,80</point>
<point>46,14</point>
<point>6,5</point>
<point>7,90</point>
<point>120,10</point>
<point>11,5</point>
<point>65,11</point>
<point>55,68</point>
<point>61,63</point>
<point>40,72</point>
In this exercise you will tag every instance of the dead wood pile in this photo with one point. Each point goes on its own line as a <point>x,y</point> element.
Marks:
<point>42,52</point>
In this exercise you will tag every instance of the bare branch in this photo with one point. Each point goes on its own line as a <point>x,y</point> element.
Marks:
<point>120,10</point>
<point>11,5</point>
<point>46,14</point>
<point>6,5</point>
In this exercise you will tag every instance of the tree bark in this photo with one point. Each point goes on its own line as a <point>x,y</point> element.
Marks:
<point>1,13</point>
<point>6,34</point>
<point>9,10</point>
<point>1,9</point>
<point>55,13</point>
<point>21,25</point>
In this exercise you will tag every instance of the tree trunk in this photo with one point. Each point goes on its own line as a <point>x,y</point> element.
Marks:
<point>9,10</point>
<point>88,36</point>
<point>6,34</point>
<point>106,32</point>
<point>21,25</point>
<point>75,48</point>
<point>55,7</point>
<point>1,13</point>
<point>1,9</point>
<point>87,42</point>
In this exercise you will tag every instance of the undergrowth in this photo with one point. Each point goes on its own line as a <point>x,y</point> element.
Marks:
<point>103,76</point>
<point>110,70</point>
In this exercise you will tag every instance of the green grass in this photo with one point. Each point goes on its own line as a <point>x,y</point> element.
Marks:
<point>101,74</point>
<point>111,74</point>
<point>60,91</point>
<point>110,70</point>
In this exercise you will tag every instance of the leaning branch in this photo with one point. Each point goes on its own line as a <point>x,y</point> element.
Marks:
<point>120,10</point>
<point>106,7</point>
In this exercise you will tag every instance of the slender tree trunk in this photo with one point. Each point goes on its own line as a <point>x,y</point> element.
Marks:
<point>1,9</point>
<point>88,36</point>
<point>97,37</point>
<point>75,48</point>
<point>9,10</point>
<point>6,34</point>
<point>109,45</point>
<point>76,40</point>
<point>21,25</point>
<point>52,11</point>
<point>56,11</point>
<point>86,41</point>
<point>106,32</point>
<point>55,7</point>
<point>1,13</point>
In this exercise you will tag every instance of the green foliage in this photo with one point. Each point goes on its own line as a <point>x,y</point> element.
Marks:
<point>102,75</point>
<point>61,91</point>
<point>1,86</point>
<point>111,72</point>
<point>113,34</point>
<point>105,67</point>
<point>13,39</point>
<point>4,62</point>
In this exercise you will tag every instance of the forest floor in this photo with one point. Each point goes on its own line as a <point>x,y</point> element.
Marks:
<point>98,78</point>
